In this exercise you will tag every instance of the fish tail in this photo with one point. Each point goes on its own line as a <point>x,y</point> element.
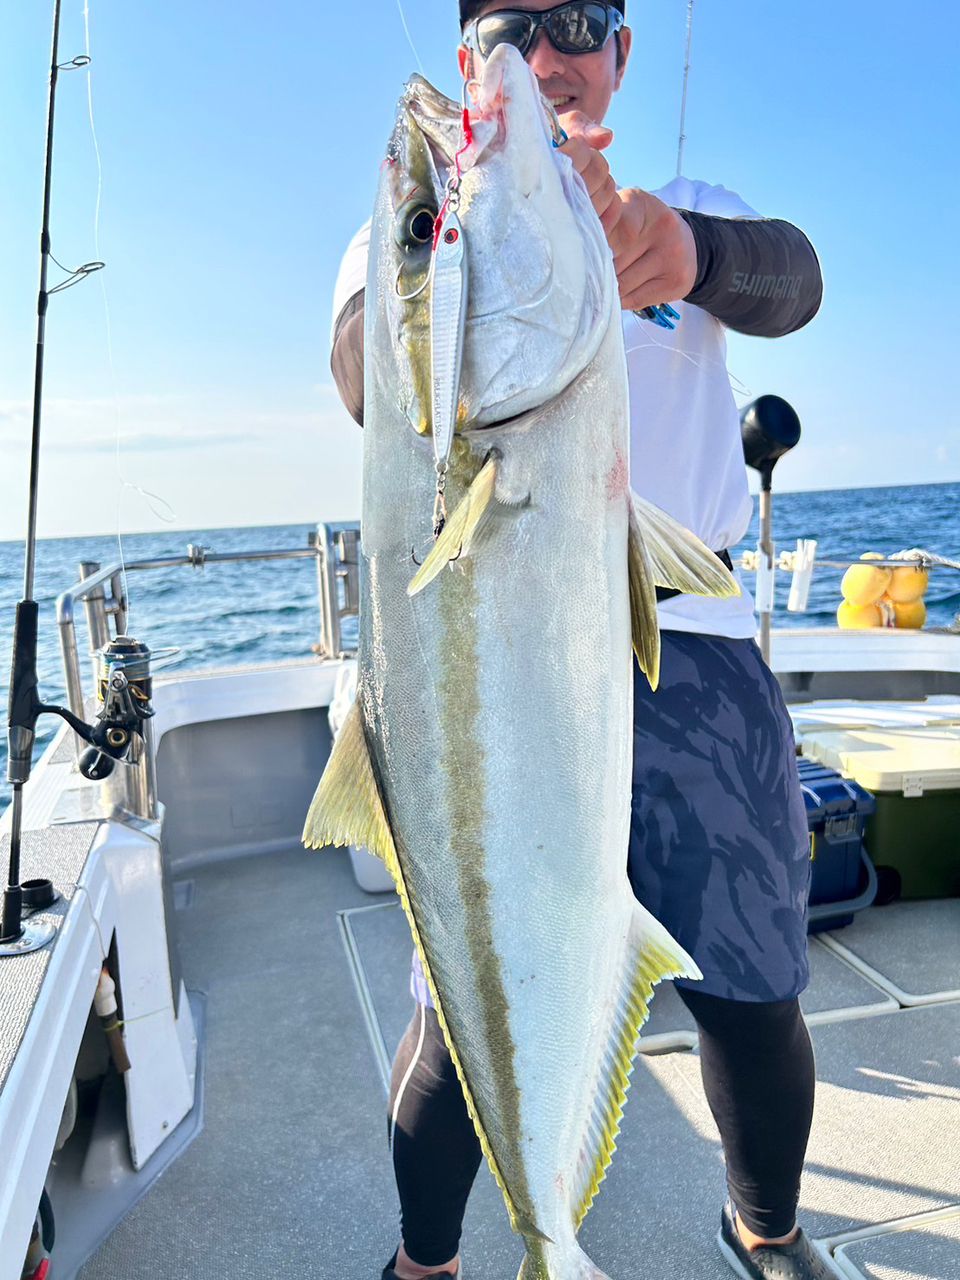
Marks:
<point>558,1262</point>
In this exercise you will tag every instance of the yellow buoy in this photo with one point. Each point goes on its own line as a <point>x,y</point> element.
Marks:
<point>907,584</point>
<point>910,613</point>
<point>864,584</point>
<point>856,617</point>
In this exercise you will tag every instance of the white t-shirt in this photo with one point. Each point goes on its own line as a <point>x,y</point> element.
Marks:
<point>685,450</point>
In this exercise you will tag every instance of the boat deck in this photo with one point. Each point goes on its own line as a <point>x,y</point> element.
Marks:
<point>290,1178</point>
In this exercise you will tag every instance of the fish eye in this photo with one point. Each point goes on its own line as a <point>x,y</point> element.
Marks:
<point>419,225</point>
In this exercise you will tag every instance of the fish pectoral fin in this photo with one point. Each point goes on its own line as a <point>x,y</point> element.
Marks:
<point>651,956</point>
<point>643,603</point>
<point>347,807</point>
<point>678,558</point>
<point>461,528</point>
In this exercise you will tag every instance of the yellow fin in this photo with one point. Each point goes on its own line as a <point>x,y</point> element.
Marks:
<point>678,558</point>
<point>518,1224</point>
<point>461,527</point>
<point>652,955</point>
<point>643,604</point>
<point>347,807</point>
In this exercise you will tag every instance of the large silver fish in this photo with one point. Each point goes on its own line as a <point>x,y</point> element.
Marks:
<point>488,756</point>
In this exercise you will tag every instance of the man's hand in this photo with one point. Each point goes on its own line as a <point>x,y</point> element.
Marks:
<point>654,252</point>
<point>653,248</point>
<point>585,141</point>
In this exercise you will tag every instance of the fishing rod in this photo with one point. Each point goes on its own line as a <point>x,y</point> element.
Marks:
<point>126,700</point>
<point>683,99</point>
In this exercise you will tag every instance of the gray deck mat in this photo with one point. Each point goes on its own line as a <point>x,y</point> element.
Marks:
<point>59,854</point>
<point>383,943</point>
<point>885,1140</point>
<point>931,1252</point>
<point>290,1177</point>
<point>916,945</point>
<point>291,1164</point>
<point>836,990</point>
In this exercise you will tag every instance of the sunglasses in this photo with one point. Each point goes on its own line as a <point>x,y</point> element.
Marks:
<point>571,28</point>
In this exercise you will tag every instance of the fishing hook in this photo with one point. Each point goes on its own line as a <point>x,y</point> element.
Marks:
<point>409,297</point>
<point>452,560</point>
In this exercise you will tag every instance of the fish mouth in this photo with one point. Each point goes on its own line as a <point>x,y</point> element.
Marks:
<point>441,119</point>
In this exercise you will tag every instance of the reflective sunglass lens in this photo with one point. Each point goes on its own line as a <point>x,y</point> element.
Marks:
<point>578,28</point>
<point>503,28</point>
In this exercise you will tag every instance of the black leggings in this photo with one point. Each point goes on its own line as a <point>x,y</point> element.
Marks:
<point>758,1074</point>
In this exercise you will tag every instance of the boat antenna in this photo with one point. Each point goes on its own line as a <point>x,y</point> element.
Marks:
<point>686,77</point>
<point>25,706</point>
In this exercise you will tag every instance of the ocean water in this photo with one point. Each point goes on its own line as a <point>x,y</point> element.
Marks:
<point>230,614</point>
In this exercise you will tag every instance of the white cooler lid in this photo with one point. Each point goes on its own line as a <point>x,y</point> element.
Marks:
<point>907,761</point>
<point>854,713</point>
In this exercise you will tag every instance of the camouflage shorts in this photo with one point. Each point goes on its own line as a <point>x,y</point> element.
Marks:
<point>719,851</point>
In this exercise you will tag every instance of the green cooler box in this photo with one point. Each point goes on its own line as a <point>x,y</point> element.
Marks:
<point>914,774</point>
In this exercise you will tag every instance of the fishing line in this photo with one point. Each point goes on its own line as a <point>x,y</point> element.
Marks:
<point>406,31</point>
<point>736,383</point>
<point>154,501</point>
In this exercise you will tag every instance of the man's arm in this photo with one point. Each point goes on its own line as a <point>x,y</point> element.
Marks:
<point>756,275</point>
<point>346,356</point>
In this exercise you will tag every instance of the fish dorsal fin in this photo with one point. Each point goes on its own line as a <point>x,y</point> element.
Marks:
<point>678,558</point>
<point>461,527</point>
<point>651,956</point>
<point>643,604</point>
<point>347,807</point>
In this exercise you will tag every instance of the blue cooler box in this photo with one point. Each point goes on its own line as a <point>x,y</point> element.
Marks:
<point>844,880</point>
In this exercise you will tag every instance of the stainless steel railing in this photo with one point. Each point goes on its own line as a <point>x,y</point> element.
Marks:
<point>336,549</point>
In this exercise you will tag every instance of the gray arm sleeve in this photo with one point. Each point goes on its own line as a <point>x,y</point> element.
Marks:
<point>346,357</point>
<point>756,275</point>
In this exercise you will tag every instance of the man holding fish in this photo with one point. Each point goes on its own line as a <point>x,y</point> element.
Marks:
<point>718,849</point>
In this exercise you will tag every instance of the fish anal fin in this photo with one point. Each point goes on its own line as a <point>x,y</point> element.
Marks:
<point>461,527</point>
<point>651,956</point>
<point>644,625</point>
<point>678,559</point>
<point>347,807</point>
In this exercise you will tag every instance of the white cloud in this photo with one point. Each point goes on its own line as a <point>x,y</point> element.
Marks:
<point>210,460</point>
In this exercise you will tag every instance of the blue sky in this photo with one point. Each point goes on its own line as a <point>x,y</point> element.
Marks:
<point>240,147</point>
